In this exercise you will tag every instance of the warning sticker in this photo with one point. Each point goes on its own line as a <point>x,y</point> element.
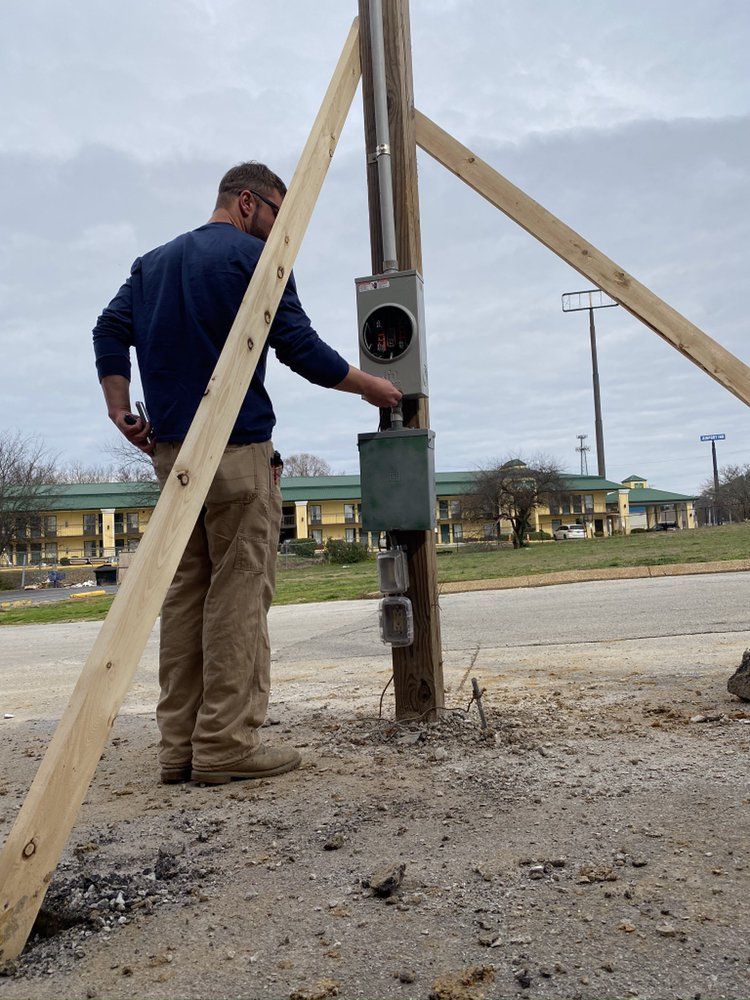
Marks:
<point>371,286</point>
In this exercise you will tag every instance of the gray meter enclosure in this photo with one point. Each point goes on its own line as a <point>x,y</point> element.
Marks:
<point>390,317</point>
<point>397,476</point>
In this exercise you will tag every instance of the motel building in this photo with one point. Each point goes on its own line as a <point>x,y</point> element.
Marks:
<point>97,522</point>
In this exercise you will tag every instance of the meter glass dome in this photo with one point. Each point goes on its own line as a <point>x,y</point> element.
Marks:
<point>387,333</point>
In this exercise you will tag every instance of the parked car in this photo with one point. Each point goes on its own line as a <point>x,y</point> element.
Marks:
<point>569,531</point>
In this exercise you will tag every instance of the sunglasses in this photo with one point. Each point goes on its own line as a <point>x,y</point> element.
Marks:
<point>274,208</point>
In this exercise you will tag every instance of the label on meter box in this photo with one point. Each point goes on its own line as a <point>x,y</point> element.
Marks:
<point>372,286</point>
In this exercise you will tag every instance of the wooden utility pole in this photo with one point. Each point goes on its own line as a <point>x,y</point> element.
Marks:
<point>417,669</point>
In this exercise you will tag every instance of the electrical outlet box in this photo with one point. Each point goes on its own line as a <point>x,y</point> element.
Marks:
<point>396,621</point>
<point>393,571</point>
<point>397,478</point>
<point>392,341</point>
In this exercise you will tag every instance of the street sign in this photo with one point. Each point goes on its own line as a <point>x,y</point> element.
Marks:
<point>590,298</point>
<point>713,437</point>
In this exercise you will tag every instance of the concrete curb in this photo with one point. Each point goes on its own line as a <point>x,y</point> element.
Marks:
<point>588,575</point>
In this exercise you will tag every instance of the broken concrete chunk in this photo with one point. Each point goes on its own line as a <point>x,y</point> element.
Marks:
<point>739,682</point>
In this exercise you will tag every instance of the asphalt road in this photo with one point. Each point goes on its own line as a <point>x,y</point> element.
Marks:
<point>314,645</point>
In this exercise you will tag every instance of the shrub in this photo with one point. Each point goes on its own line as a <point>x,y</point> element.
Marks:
<point>302,547</point>
<point>337,551</point>
<point>539,536</point>
<point>65,561</point>
<point>638,531</point>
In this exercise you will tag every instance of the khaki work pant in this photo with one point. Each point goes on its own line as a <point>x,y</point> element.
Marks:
<point>215,656</point>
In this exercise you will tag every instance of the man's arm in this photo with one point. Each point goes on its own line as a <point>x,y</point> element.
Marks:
<point>377,391</point>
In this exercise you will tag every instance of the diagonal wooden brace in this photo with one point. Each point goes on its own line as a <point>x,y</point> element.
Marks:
<point>679,332</point>
<point>43,825</point>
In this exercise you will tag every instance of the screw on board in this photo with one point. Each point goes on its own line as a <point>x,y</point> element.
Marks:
<point>478,699</point>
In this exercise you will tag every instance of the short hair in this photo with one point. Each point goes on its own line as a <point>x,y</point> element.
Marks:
<point>249,176</point>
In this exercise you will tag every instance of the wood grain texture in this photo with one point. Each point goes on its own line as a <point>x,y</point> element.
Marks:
<point>41,830</point>
<point>418,669</point>
<point>639,300</point>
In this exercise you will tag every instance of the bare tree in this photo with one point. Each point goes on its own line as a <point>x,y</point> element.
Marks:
<point>129,464</point>
<point>76,473</point>
<point>733,498</point>
<point>305,464</point>
<point>26,470</point>
<point>512,490</point>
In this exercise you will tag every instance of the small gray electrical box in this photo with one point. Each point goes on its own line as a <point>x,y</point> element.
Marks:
<point>392,343</point>
<point>397,476</point>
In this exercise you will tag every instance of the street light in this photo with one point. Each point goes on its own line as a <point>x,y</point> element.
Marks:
<point>592,298</point>
<point>713,438</point>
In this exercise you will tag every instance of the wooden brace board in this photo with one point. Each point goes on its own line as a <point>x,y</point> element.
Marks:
<point>679,332</point>
<point>41,829</point>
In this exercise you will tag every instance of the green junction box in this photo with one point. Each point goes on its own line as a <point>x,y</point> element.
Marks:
<point>397,478</point>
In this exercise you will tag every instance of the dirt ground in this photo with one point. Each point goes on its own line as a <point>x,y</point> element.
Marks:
<point>593,845</point>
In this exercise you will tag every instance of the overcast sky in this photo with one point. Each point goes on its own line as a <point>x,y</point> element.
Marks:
<point>629,121</point>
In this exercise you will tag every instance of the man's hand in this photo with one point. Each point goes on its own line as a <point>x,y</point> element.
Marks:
<point>134,429</point>
<point>116,391</point>
<point>377,391</point>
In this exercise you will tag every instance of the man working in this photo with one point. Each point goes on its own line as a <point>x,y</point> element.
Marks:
<point>176,309</point>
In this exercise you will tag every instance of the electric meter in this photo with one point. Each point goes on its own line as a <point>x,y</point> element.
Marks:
<point>390,313</point>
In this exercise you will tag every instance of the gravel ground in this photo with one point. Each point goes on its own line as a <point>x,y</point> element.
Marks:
<point>592,844</point>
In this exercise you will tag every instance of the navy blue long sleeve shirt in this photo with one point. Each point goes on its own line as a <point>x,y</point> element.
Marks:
<point>176,309</point>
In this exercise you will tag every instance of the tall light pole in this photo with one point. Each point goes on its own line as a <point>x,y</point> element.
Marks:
<point>592,298</point>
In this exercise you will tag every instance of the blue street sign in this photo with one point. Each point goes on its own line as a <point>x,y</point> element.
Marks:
<point>713,437</point>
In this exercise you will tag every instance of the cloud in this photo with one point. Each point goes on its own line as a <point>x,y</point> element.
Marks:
<point>632,128</point>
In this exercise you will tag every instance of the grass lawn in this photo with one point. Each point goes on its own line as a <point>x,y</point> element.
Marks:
<point>302,583</point>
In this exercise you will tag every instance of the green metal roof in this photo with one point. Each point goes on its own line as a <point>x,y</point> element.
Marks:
<point>638,479</point>
<point>94,496</point>
<point>641,497</point>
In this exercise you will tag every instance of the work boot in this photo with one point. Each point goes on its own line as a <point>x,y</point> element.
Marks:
<point>262,763</point>
<point>175,774</point>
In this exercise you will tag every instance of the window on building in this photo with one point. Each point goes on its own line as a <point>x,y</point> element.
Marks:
<point>131,522</point>
<point>588,502</point>
<point>315,515</point>
<point>443,510</point>
<point>554,505</point>
<point>458,532</point>
<point>119,519</point>
<point>350,534</point>
<point>455,510</point>
<point>489,530</point>
<point>565,505</point>
<point>36,527</point>
<point>90,549</point>
<point>375,539</point>
<point>445,534</point>
<point>91,524</point>
<point>317,536</point>
<point>350,513</point>
<point>50,552</point>
<point>577,504</point>
<point>35,553</point>
<point>50,525</point>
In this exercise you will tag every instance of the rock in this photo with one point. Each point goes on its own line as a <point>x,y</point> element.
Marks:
<point>385,881</point>
<point>323,989</point>
<point>462,985</point>
<point>739,683</point>
<point>666,930</point>
<point>638,862</point>
<point>626,926</point>
<point>523,978</point>
<point>336,841</point>
<point>536,871</point>
<point>406,976</point>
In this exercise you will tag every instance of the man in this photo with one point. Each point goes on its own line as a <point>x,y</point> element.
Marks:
<point>176,309</point>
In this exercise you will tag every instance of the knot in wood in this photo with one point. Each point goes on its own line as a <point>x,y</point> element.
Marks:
<point>250,343</point>
<point>184,478</point>
<point>267,316</point>
<point>280,272</point>
<point>29,849</point>
<point>108,665</point>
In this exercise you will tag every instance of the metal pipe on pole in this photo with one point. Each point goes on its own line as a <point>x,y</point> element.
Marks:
<point>382,138</point>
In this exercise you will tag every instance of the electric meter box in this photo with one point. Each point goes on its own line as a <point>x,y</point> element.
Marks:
<point>392,342</point>
<point>397,477</point>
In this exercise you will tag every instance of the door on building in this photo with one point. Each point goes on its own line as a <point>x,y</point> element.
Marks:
<point>598,526</point>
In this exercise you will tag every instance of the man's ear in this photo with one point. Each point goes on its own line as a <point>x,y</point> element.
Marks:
<point>247,203</point>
